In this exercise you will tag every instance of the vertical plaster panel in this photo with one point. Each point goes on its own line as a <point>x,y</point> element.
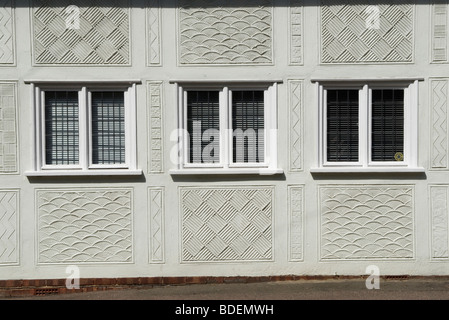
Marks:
<point>156,213</point>
<point>9,215</point>
<point>155,126</point>
<point>7,52</point>
<point>296,124</point>
<point>296,226</point>
<point>439,218</point>
<point>8,128</point>
<point>439,124</point>
<point>296,32</point>
<point>154,33</point>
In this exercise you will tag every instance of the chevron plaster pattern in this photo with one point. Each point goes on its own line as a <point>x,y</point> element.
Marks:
<point>439,127</point>
<point>84,226</point>
<point>101,39</point>
<point>345,37</point>
<point>439,221</point>
<point>6,32</point>
<point>227,224</point>
<point>8,227</point>
<point>156,211</point>
<point>8,128</point>
<point>296,124</point>
<point>366,222</point>
<point>153,33</point>
<point>224,32</point>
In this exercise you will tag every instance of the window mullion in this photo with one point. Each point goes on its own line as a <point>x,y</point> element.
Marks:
<point>84,128</point>
<point>225,127</point>
<point>364,125</point>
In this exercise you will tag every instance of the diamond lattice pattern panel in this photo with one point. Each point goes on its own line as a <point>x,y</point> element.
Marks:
<point>226,224</point>
<point>357,33</point>
<point>98,35</point>
<point>224,32</point>
<point>366,222</point>
<point>84,226</point>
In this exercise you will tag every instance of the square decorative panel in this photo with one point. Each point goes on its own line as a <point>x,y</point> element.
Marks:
<point>227,224</point>
<point>225,32</point>
<point>355,32</point>
<point>95,32</point>
<point>84,225</point>
<point>366,222</point>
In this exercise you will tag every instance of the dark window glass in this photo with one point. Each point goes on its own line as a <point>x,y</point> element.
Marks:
<point>203,124</point>
<point>387,125</point>
<point>61,128</point>
<point>108,127</point>
<point>248,126</point>
<point>342,125</point>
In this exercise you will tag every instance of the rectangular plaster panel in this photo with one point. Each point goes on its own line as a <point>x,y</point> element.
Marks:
<point>8,128</point>
<point>9,215</point>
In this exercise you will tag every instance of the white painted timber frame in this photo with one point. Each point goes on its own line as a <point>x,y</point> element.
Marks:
<point>365,87</point>
<point>85,165</point>
<point>225,165</point>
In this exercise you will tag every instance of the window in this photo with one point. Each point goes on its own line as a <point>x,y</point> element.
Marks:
<point>84,129</point>
<point>368,125</point>
<point>227,129</point>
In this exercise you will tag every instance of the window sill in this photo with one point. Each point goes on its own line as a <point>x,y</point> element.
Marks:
<point>62,173</point>
<point>205,171</point>
<point>368,170</point>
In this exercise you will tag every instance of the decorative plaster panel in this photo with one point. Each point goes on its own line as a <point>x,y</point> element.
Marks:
<point>100,35</point>
<point>153,33</point>
<point>439,221</point>
<point>9,245</point>
<point>8,128</point>
<point>439,31</point>
<point>156,211</point>
<point>6,32</point>
<point>296,233</point>
<point>84,226</point>
<point>224,32</point>
<point>155,125</point>
<point>227,224</point>
<point>358,33</point>
<point>366,222</point>
<point>296,124</point>
<point>439,125</point>
<point>296,32</point>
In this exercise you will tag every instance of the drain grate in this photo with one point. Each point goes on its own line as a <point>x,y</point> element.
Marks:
<point>46,291</point>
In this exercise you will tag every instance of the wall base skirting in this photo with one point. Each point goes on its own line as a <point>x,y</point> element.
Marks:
<point>41,287</point>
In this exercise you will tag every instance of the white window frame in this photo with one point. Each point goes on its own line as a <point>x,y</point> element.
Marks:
<point>365,164</point>
<point>85,165</point>
<point>226,165</point>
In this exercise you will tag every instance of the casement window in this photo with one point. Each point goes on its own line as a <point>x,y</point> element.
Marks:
<point>368,126</point>
<point>84,129</point>
<point>227,129</point>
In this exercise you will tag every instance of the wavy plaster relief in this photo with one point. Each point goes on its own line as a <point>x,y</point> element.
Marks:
<point>350,33</point>
<point>296,229</point>
<point>224,32</point>
<point>366,222</point>
<point>153,33</point>
<point>9,244</point>
<point>227,224</point>
<point>102,36</point>
<point>296,124</point>
<point>156,212</point>
<point>155,126</point>
<point>439,31</point>
<point>439,126</point>
<point>92,226</point>
<point>296,32</point>
<point>7,52</point>
<point>439,221</point>
<point>8,128</point>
